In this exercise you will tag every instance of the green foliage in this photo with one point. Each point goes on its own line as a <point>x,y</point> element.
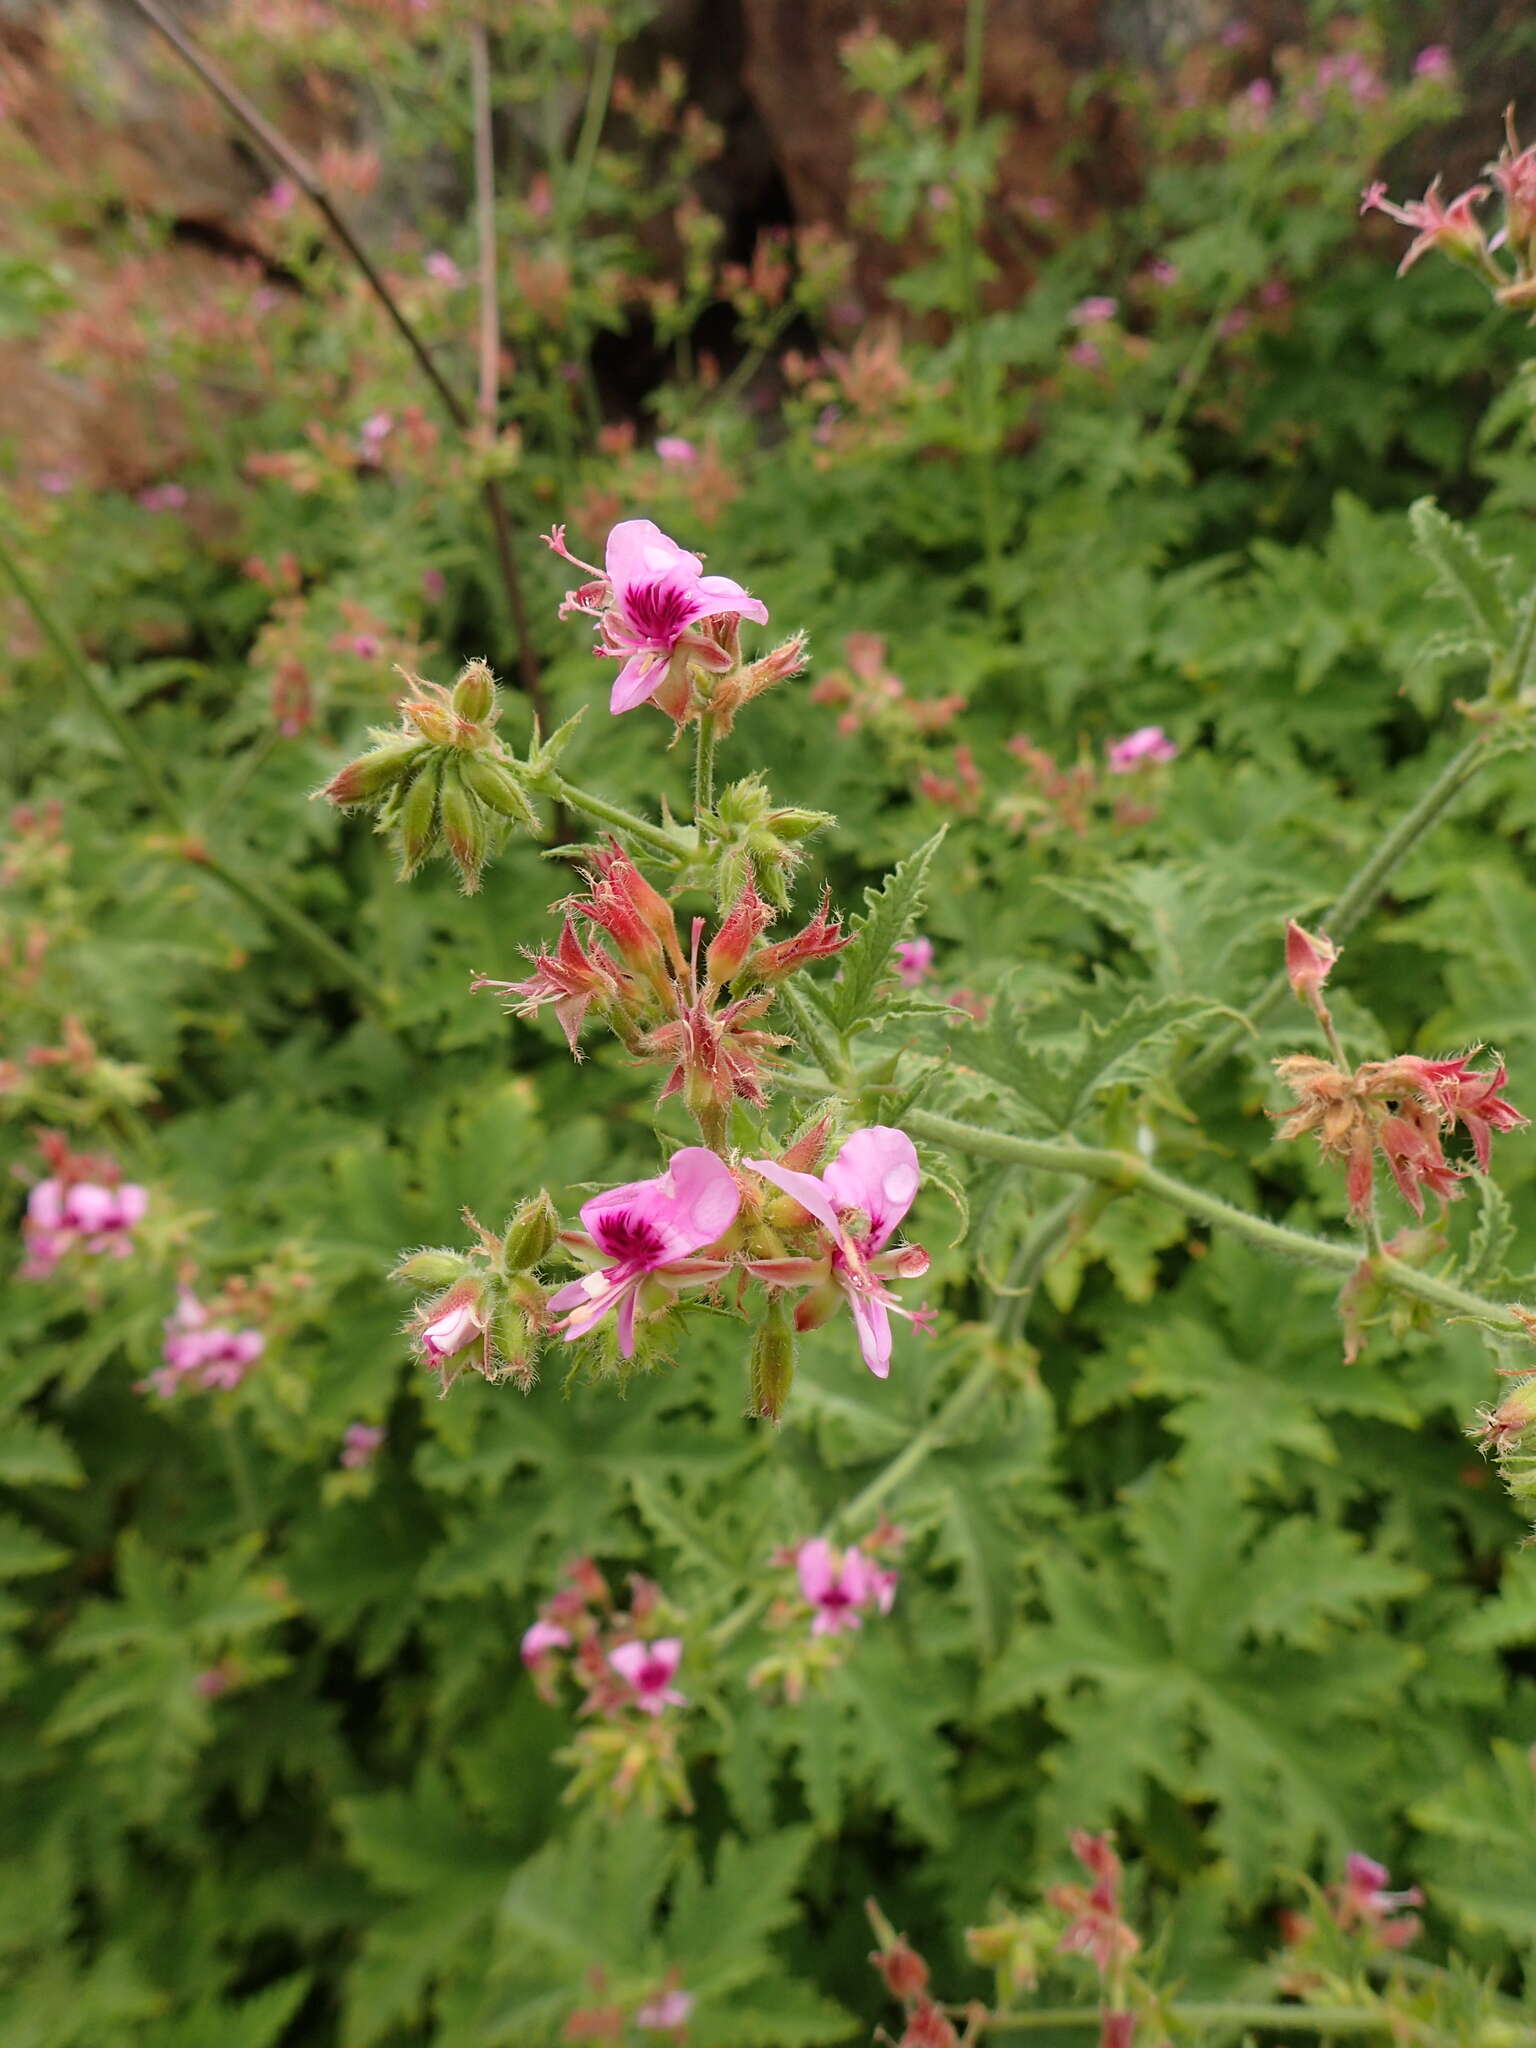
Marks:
<point>1168,1564</point>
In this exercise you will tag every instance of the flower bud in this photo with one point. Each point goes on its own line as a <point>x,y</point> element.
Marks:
<point>418,819</point>
<point>431,1268</point>
<point>772,1366</point>
<point>474,694</point>
<point>372,774</point>
<point>432,721</point>
<point>512,1334</point>
<point>1309,959</point>
<point>530,1233</point>
<point>499,790</point>
<point>463,828</point>
<point>738,934</point>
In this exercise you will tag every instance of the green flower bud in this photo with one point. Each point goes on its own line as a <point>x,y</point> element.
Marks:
<point>432,1268</point>
<point>418,819</point>
<point>463,828</point>
<point>373,774</point>
<point>530,1233</point>
<point>499,790</point>
<point>474,694</point>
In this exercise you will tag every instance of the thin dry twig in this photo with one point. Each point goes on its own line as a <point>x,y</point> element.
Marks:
<point>307,178</point>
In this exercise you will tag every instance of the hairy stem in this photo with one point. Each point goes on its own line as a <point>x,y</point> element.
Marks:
<point>933,1435</point>
<point>1130,1173</point>
<point>1225,2018</point>
<point>283,916</point>
<point>704,766</point>
<point>309,181</point>
<point>589,804</point>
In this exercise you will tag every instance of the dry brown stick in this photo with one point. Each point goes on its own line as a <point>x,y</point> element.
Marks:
<point>309,181</point>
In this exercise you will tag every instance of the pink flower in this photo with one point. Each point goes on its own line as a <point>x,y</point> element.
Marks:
<point>163,498</point>
<point>373,433</point>
<point>440,265</point>
<point>1085,355</point>
<point>1148,744</point>
<point>433,584</point>
<point>1260,95</point>
<point>209,1356</point>
<point>914,961</point>
<point>675,452</point>
<point>58,483</point>
<point>1454,228</point>
<point>666,2010</point>
<point>451,1331</point>
<point>1163,272</point>
<point>359,1444</point>
<point>541,1638</point>
<point>1362,1901</point>
<point>648,602</point>
<point>1094,311</point>
<point>1309,959</point>
<point>280,197</point>
<point>838,1588</point>
<point>1433,61</point>
<point>83,1214</point>
<point>860,1199</point>
<point>647,1230</point>
<point>648,1669</point>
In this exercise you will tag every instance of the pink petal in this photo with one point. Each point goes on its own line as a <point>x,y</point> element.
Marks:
<point>637,681</point>
<point>805,1187</point>
<point>816,1568</point>
<point>639,552</point>
<point>722,594</point>
<point>874,1327</point>
<point>876,1171</point>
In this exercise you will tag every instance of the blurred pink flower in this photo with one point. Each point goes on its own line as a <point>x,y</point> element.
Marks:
<point>441,266</point>
<point>914,961</point>
<point>209,1356</point>
<point>540,1638</point>
<point>1094,311</point>
<point>1085,356</point>
<point>666,2010</point>
<point>1434,61</point>
<point>648,1669</point>
<point>838,1588</point>
<point>96,1219</point>
<point>675,452</point>
<point>163,497</point>
<point>360,1442</point>
<point>1147,745</point>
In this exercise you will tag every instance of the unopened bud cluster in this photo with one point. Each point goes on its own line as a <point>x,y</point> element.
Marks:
<point>485,1311</point>
<point>441,783</point>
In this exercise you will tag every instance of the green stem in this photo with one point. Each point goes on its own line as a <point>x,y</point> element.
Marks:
<point>276,912</point>
<point>814,1033</point>
<point>1306,2019</point>
<point>1361,892</point>
<point>594,114</point>
<point>555,786</point>
<point>1128,1172</point>
<point>704,766</point>
<point>1029,1264</point>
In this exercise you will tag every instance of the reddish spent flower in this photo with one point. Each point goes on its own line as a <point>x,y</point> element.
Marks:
<point>1094,1926</point>
<point>1149,746</point>
<point>902,1969</point>
<point>1309,958</point>
<point>1454,228</point>
<point>571,978</point>
<point>744,924</point>
<point>649,600</point>
<point>1117,2029</point>
<point>648,1669</point>
<point>860,1199</point>
<point>648,1230</point>
<point>1454,1093</point>
<point>819,940</point>
<point>1515,176</point>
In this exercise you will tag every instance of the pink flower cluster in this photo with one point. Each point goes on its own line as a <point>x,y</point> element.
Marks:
<point>615,1659</point>
<point>201,1353</point>
<point>83,1205</point>
<point>360,1443</point>
<point>1361,1904</point>
<point>840,1587</point>
<point>866,693</point>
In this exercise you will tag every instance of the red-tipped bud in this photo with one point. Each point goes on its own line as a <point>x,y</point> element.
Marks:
<point>636,917</point>
<point>902,1969</point>
<point>1309,958</point>
<point>373,774</point>
<point>748,919</point>
<point>804,1155</point>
